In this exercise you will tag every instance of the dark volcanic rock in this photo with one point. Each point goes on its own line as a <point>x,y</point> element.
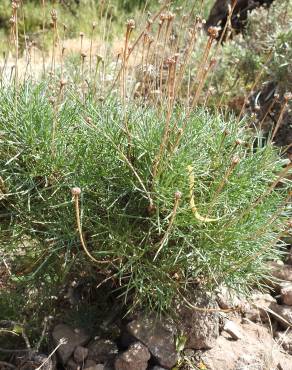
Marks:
<point>135,358</point>
<point>102,350</point>
<point>158,336</point>
<point>74,337</point>
<point>200,326</point>
<point>219,13</point>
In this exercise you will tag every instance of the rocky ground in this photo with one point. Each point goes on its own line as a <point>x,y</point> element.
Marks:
<point>231,334</point>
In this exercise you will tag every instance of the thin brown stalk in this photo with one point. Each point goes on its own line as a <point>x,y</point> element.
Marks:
<point>230,169</point>
<point>14,28</point>
<point>91,44</point>
<point>188,52</point>
<point>136,42</point>
<point>287,97</point>
<point>286,149</point>
<point>203,70</point>
<point>171,67</point>
<point>54,25</point>
<point>76,193</point>
<point>268,111</point>
<point>43,35</point>
<point>130,26</point>
<point>169,19</point>
<point>99,60</point>
<point>219,43</point>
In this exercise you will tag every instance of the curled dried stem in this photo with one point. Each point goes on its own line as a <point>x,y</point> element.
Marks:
<point>76,194</point>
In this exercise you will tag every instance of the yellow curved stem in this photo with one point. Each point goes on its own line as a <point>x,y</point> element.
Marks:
<point>192,201</point>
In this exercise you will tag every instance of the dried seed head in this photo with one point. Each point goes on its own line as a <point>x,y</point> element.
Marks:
<point>288,96</point>
<point>151,209</point>
<point>99,58</point>
<point>172,38</point>
<point>62,83</point>
<point>64,27</point>
<point>145,37</point>
<point>12,21</point>
<point>163,17</point>
<point>213,62</point>
<point>83,55</point>
<point>176,56</point>
<point>235,160</point>
<point>149,23</point>
<point>54,15</point>
<point>170,16</point>
<point>239,142</point>
<point>198,19</point>
<point>52,100</point>
<point>15,4</point>
<point>81,34</point>
<point>176,276</point>
<point>178,195</point>
<point>213,32</point>
<point>150,39</point>
<point>93,25</point>
<point>76,191</point>
<point>170,61</point>
<point>130,24</point>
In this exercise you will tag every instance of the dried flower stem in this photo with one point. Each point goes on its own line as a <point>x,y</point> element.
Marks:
<point>43,35</point>
<point>267,112</point>
<point>14,28</point>
<point>130,26</point>
<point>91,44</point>
<point>166,37</point>
<point>188,52</point>
<point>54,25</point>
<point>203,71</point>
<point>61,343</point>
<point>171,79</point>
<point>233,164</point>
<point>76,193</point>
<point>136,42</point>
<point>279,120</point>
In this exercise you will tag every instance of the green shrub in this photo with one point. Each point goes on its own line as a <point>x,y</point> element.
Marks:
<point>265,49</point>
<point>232,183</point>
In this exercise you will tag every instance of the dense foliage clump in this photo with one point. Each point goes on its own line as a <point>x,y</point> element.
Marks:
<point>203,209</point>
